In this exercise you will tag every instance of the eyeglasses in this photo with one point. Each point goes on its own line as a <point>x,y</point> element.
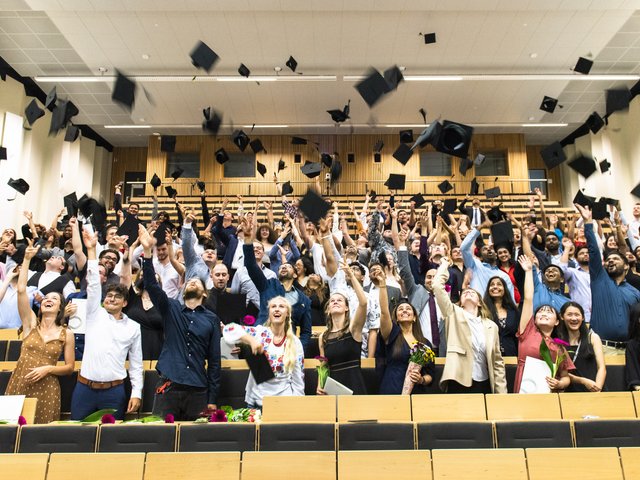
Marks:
<point>111,259</point>
<point>114,296</point>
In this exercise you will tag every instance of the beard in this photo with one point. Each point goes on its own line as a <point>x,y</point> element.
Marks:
<point>191,294</point>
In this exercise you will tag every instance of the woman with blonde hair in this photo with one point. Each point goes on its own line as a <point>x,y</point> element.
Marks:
<point>473,362</point>
<point>277,341</point>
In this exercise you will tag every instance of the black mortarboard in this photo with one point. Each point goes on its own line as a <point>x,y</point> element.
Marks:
<point>90,207</point>
<point>445,187</point>
<point>429,38</point>
<point>258,365</point>
<point>161,234</point>
<point>262,169</point>
<point>610,201</point>
<point>72,133</point>
<point>449,206</point>
<point>502,235</point>
<point>373,195</point>
<point>314,206</point>
<point>84,205</point>
<point>168,143</point>
<point>418,199</point>
<point>287,189</point>
<point>203,57</point>
<point>393,76</point>
<point>492,192</point>
<point>326,159</point>
<point>292,64</point>
<point>584,200</point>
<point>595,122</point>
<point>583,65</point>
<point>311,169</point>
<point>636,191</point>
<point>155,181</point>
<point>372,88</point>
<point>465,164</point>
<point>382,258</point>
<point>3,153</point>
<point>171,192</point>
<point>298,141</point>
<point>454,139</point>
<point>479,160</point>
<point>495,214</point>
<point>71,204</point>
<point>221,156</point>
<point>604,165</point>
<point>240,139</point>
<point>395,181</point>
<point>177,173</point>
<point>617,100</point>
<point>233,309</point>
<point>52,98</point>
<point>549,104</point>
<point>256,146</point>
<point>553,155</point>
<point>475,187</point>
<point>406,136</point>
<point>129,228</point>
<point>19,185</point>
<point>584,165</point>
<point>429,135</point>
<point>62,113</point>
<point>336,171</point>
<point>33,112</point>
<point>124,90</point>
<point>599,210</point>
<point>340,116</point>
<point>212,120</point>
<point>243,70</point>
<point>201,185</point>
<point>403,153</point>
<point>377,148</point>
<point>281,165</point>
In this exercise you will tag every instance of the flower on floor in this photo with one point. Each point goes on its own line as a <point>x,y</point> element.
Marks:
<point>219,416</point>
<point>169,418</point>
<point>107,418</point>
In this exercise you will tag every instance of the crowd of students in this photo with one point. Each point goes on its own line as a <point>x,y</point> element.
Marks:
<point>381,280</point>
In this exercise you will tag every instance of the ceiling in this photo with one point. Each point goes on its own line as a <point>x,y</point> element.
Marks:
<point>327,37</point>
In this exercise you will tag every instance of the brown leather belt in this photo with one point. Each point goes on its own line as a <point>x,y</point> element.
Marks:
<point>99,385</point>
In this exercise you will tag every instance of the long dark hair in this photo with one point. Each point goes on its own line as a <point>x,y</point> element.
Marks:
<point>60,319</point>
<point>329,320</point>
<point>396,351</point>
<point>507,301</point>
<point>563,331</point>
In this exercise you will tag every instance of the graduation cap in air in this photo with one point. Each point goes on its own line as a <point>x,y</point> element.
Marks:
<point>212,121</point>
<point>256,146</point>
<point>336,171</point>
<point>584,200</point>
<point>475,187</point>
<point>584,165</point>
<point>168,143</point>
<point>495,214</point>
<point>599,210</point>
<point>129,228</point>
<point>429,135</point>
<point>171,192</point>
<point>240,139</point>
<point>177,173</point>
<point>449,206</point>
<point>298,141</point>
<point>161,234</point>
<point>287,189</point>
<point>326,159</point>
<point>548,104</point>
<point>605,166</point>
<point>617,100</point>
<point>19,185</point>
<point>372,195</point>
<point>595,122</point>
<point>155,181</point>
<point>243,70</point>
<point>492,192</point>
<point>429,38</point>
<point>90,207</point>
<point>479,160</point>
<point>52,98</point>
<point>314,206</point>
<point>124,91</point>
<point>393,76</point>
<point>454,139</point>
<point>403,153</point>
<point>201,185</point>
<point>614,202</point>
<point>203,57</point>
<point>262,169</point>
<point>553,155</point>
<point>3,153</point>
<point>71,204</point>
<point>72,133</point>
<point>33,112</point>
<point>502,235</point>
<point>340,116</point>
<point>395,181</point>
<point>281,165</point>
<point>221,156</point>
<point>406,136</point>
<point>445,187</point>
<point>372,88</point>
<point>465,164</point>
<point>377,148</point>
<point>636,191</point>
<point>418,200</point>
<point>583,66</point>
<point>292,64</point>
<point>63,112</point>
<point>311,169</point>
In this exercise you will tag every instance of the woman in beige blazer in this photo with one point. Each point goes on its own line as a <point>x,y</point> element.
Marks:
<point>473,363</point>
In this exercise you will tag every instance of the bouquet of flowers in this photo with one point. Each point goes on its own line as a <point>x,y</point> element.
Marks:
<point>226,414</point>
<point>323,370</point>
<point>545,354</point>
<point>419,356</point>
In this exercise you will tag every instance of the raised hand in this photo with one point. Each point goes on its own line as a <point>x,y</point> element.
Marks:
<point>90,239</point>
<point>585,212</point>
<point>378,278</point>
<point>323,227</point>
<point>146,239</point>
<point>30,251</point>
<point>525,263</point>
<point>28,215</point>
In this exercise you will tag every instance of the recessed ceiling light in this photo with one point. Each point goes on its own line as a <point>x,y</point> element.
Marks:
<point>277,69</point>
<point>146,56</point>
<point>103,69</point>
<point>531,119</point>
<point>402,68</point>
<point>157,134</point>
<point>141,119</point>
<point>533,55</point>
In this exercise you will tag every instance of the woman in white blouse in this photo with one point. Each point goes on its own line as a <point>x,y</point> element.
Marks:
<point>283,349</point>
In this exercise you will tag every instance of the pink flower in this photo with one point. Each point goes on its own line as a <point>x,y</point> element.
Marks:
<point>219,416</point>
<point>321,359</point>
<point>559,341</point>
<point>249,320</point>
<point>108,418</point>
<point>169,418</point>
<point>22,421</point>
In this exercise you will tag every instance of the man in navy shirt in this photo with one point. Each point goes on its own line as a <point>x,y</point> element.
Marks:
<point>192,337</point>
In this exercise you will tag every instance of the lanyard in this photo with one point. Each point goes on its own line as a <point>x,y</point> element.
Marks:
<point>575,355</point>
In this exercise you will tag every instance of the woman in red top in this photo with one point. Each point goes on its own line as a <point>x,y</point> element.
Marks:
<point>507,265</point>
<point>534,327</point>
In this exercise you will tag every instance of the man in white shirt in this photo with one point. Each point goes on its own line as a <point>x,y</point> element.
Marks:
<point>54,278</point>
<point>169,277</point>
<point>110,338</point>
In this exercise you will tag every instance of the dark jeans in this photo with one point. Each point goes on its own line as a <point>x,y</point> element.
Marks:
<point>476,387</point>
<point>86,400</point>
<point>182,401</point>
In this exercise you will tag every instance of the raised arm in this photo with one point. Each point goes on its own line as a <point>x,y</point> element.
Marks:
<point>157,295</point>
<point>206,217</point>
<point>331,264</point>
<point>357,322</point>
<point>527,303</point>
<point>595,258</point>
<point>442,297</point>
<point>27,317</point>
<point>379,280</point>
<point>94,289</point>
<point>76,243</point>
<point>32,227</point>
<point>255,273</point>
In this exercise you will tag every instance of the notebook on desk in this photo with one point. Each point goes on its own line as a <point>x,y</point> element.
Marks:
<point>333,387</point>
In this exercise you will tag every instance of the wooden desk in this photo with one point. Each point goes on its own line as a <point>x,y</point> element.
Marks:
<point>513,406</point>
<point>386,408</point>
<point>448,408</point>
<point>582,463</point>
<point>23,466</point>
<point>490,464</point>
<point>384,464</point>
<point>192,465</point>
<point>313,408</point>
<point>630,457</point>
<point>575,406</point>
<point>96,466</point>
<point>281,465</point>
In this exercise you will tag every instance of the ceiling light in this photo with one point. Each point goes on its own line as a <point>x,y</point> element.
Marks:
<point>507,77</point>
<point>157,134</point>
<point>265,126</point>
<point>533,55</point>
<point>127,126</point>
<point>146,56</point>
<point>189,78</point>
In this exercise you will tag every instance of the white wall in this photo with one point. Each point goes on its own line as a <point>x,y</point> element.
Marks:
<point>52,167</point>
